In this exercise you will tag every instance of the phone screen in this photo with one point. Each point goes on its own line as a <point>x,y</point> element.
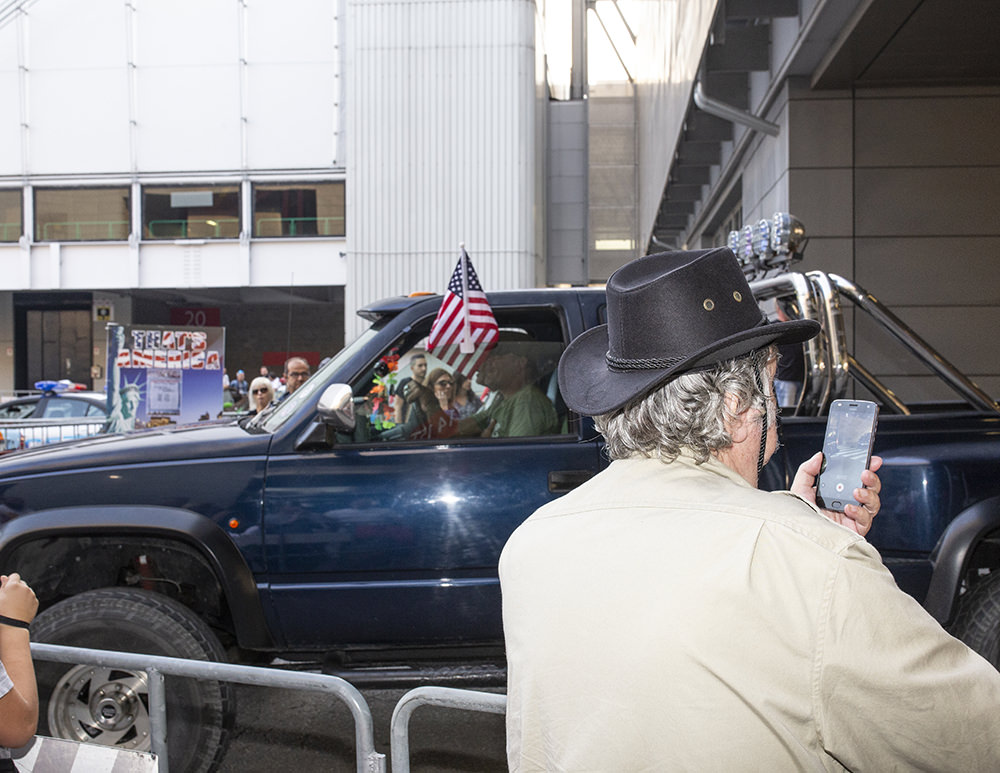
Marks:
<point>847,451</point>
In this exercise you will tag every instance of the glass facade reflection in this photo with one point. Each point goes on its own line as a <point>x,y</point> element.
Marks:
<point>82,214</point>
<point>298,209</point>
<point>191,212</point>
<point>10,214</point>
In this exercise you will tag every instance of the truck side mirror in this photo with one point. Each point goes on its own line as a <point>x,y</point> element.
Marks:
<point>336,407</point>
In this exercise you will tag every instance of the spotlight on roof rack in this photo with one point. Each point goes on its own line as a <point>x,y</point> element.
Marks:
<point>733,242</point>
<point>769,245</point>
<point>762,241</point>
<point>788,235</point>
<point>746,246</point>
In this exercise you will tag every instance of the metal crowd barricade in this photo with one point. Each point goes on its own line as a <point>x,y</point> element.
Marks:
<point>28,433</point>
<point>155,666</point>
<point>446,697</point>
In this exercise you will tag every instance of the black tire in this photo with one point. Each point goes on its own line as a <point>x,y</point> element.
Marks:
<point>978,620</point>
<point>199,712</point>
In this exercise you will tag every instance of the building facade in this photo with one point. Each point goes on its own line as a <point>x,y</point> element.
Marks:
<point>270,167</point>
<point>875,123</point>
<point>263,166</point>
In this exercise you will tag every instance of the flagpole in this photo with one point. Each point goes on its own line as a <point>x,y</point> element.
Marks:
<point>465,345</point>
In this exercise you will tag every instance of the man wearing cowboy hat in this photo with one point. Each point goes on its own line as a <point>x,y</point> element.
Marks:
<point>667,615</point>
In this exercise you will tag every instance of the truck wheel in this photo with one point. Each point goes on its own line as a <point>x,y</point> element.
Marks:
<point>111,706</point>
<point>978,621</point>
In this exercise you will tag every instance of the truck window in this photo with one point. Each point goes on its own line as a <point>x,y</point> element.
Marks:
<point>411,393</point>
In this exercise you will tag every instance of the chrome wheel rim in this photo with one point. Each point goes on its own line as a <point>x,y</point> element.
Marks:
<point>108,706</point>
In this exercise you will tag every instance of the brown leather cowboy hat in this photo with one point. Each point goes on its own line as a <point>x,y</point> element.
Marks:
<point>668,314</point>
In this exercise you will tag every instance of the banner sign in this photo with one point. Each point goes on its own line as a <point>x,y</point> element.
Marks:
<point>163,375</point>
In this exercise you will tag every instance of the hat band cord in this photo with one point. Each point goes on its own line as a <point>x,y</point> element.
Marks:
<point>646,363</point>
<point>757,365</point>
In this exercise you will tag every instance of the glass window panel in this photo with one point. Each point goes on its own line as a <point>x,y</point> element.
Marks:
<point>191,212</point>
<point>65,408</point>
<point>10,214</point>
<point>82,214</point>
<point>18,410</point>
<point>298,209</point>
<point>410,394</point>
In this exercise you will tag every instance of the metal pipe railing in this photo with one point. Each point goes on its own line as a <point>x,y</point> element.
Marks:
<point>876,387</point>
<point>733,114</point>
<point>155,666</point>
<point>447,697</point>
<point>915,344</point>
<point>836,341</point>
<point>816,387</point>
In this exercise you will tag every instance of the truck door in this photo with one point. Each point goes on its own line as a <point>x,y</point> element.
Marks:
<point>393,533</point>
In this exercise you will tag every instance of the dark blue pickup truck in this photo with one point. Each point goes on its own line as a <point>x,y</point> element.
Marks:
<point>356,527</point>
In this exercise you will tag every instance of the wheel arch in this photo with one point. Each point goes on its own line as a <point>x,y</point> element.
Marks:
<point>952,557</point>
<point>174,526</point>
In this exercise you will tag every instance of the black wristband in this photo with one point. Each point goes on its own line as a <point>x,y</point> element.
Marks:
<point>4,620</point>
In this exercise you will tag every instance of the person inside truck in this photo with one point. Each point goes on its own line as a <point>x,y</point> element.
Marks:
<point>668,615</point>
<point>18,691</point>
<point>411,389</point>
<point>467,402</point>
<point>436,412</point>
<point>433,413</point>
<point>442,386</point>
<point>519,408</point>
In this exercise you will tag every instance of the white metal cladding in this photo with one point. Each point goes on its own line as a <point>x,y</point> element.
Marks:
<point>440,110</point>
<point>164,86</point>
<point>667,64</point>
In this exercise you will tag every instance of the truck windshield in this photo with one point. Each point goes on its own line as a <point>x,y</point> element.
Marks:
<point>310,391</point>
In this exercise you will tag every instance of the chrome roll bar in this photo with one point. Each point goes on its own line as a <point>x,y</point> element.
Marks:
<point>829,364</point>
<point>915,344</point>
<point>816,387</point>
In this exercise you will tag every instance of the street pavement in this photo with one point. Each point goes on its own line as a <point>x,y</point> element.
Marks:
<point>304,731</point>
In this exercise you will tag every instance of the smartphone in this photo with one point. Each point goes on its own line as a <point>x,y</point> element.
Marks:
<point>847,452</point>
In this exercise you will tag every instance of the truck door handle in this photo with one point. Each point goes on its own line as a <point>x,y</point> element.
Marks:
<point>561,481</point>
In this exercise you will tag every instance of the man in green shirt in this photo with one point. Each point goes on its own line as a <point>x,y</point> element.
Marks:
<point>520,408</point>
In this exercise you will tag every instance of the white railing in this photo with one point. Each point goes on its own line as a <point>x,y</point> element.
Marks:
<point>28,433</point>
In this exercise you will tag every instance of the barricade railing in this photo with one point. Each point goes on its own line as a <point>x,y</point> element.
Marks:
<point>28,433</point>
<point>445,697</point>
<point>155,666</point>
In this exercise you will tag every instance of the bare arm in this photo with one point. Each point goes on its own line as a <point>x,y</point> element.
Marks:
<point>19,707</point>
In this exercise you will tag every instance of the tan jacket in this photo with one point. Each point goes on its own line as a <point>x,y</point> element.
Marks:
<point>671,617</point>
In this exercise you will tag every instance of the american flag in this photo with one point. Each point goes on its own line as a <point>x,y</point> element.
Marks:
<point>465,328</point>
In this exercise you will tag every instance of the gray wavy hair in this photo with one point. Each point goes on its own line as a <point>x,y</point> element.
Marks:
<point>690,411</point>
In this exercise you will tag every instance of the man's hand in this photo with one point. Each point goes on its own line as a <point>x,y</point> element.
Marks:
<point>857,518</point>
